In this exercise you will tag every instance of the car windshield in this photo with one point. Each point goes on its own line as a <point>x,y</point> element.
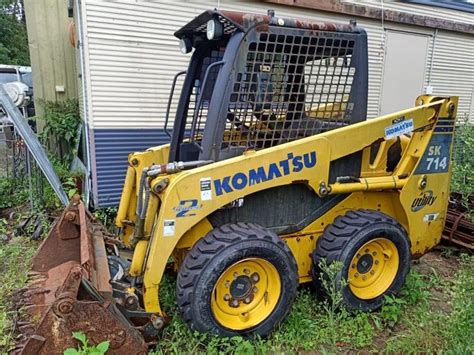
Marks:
<point>8,77</point>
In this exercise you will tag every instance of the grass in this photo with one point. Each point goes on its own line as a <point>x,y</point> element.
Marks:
<point>407,323</point>
<point>14,259</point>
<point>433,313</point>
<point>432,330</point>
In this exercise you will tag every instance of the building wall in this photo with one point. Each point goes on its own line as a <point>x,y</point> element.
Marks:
<point>131,57</point>
<point>52,55</point>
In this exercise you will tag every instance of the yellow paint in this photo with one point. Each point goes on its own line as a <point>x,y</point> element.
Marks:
<point>373,268</point>
<point>244,311</point>
<point>194,234</point>
<point>390,193</point>
<point>138,258</point>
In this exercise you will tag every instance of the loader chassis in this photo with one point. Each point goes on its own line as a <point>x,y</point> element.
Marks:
<point>273,168</point>
<point>279,109</point>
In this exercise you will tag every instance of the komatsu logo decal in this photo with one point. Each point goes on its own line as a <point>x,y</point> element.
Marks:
<point>399,128</point>
<point>240,180</point>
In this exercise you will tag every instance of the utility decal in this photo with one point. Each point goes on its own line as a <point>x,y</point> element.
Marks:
<point>186,207</point>
<point>168,227</point>
<point>206,190</point>
<point>430,217</point>
<point>240,180</point>
<point>436,157</point>
<point>425,198</point>
<point>399,128</point>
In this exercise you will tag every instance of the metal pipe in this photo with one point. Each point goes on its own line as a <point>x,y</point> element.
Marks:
<point>200,98</point>
<point>175,167</point>
<point>170,100</point>
<point>368,184</point>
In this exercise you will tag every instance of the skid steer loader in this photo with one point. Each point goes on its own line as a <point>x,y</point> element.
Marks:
<point>272,167</point>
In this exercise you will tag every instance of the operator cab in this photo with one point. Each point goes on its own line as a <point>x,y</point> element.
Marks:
<point>257,81</point>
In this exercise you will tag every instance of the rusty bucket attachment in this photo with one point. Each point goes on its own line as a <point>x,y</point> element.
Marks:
<point>69,291</point>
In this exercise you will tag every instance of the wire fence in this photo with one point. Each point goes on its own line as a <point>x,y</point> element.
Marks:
<point>23,180</point>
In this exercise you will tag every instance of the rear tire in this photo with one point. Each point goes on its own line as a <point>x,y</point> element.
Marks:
<point>240,279</point>
<point>374,250</point>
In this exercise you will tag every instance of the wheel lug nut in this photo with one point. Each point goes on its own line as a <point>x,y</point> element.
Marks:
<point>358,255</point>
<point>255,277</point>
<point>372,272</point>
<point>247,300</point>
<point>353,266</point>
<point>364,278</point>
<point>246,271</point>
<point>376,262</point>
<point>234,303</point>
<point>367,250</point>
<point>226,297</point>
<point>356,275</point>
<point>236,275</point>
<point>374,253</point>
<point>255,290</point>
<point>227,284</point>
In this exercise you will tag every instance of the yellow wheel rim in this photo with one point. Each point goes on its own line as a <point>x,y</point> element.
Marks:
<point>373,268</point>
<point>246,294</point>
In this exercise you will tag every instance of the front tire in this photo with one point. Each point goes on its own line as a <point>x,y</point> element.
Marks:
<point>240,279</point>
<point>374,250</point>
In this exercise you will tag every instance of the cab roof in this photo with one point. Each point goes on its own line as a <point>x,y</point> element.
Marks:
<point>233,21</point>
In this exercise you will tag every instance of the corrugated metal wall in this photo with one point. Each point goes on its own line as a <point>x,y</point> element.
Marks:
<point>453,70</point>
<point>423,10</point>
<point>132,56</point>
<point>111,151</point>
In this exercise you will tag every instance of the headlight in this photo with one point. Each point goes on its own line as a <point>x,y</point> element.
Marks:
<point>214,29</point>
<point>185,45</point>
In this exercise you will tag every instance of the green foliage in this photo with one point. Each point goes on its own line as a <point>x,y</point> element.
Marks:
<point>13,36</point>
<point>463,165</point>
<point>85,348</point>
<point>106,216</point>
<point>392,311</point>
<point>62,120</point>
<point>12,192</point>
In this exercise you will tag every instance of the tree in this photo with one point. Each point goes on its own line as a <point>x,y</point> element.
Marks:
<point>13,36</point>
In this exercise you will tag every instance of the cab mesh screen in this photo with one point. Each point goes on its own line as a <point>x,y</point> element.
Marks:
<point>291,87</point>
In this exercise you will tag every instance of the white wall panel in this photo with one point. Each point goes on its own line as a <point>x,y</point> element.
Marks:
<point>133,55</point>
<point>453,69</point>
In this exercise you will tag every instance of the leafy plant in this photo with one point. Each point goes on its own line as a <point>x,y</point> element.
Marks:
<point>392,311</point>
<point>463,165</point>
<point>62,120</point>
<point>106,216</point>
<point>333,285</point>
<point>85,348</point>
<point>12,193</point>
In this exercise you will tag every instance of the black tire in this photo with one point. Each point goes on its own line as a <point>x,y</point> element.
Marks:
<point>212,255</point>
<point>118,268</point>
<point>343,238</point>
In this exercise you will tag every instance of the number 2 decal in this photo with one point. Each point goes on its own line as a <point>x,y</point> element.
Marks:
<point>185,207</point>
